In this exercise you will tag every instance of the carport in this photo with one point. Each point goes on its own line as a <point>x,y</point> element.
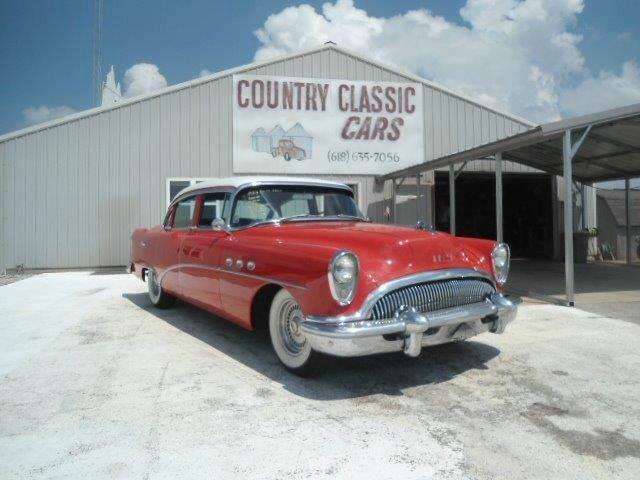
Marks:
<point>591,148</point>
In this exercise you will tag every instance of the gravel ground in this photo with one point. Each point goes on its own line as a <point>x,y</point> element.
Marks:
<point>95,383</point>
<point>12,278</point>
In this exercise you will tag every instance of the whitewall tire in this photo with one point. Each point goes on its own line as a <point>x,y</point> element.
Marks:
<point>158,297</point>
<point>289,343</point>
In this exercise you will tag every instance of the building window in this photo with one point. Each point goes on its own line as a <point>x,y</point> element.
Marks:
<point>175,185</point>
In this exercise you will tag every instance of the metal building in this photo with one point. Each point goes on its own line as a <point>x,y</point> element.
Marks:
<point>74,189</point>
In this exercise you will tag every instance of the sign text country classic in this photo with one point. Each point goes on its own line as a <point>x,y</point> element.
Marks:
<point>321,126</point>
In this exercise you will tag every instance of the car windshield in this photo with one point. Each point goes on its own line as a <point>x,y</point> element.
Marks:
<point>292,203</point>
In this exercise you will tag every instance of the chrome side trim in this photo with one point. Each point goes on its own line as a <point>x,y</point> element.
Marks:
<point>365,311</point>
<point>233,272</point>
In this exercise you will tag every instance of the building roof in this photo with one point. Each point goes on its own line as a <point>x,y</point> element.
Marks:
<point>615,199</point>
<point>297,131</point>
<point>241,69</point>
<point>610,151</point>
<point>241,181</point>
<point>277,130</point>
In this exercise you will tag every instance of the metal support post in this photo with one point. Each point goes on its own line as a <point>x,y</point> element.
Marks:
<point>499,216</point>
<point>583,212</point>
<point>417,197</point>
<point>568,217</point>
<point>393,200</point>
<point>452,200</point>
<point>627,216</point>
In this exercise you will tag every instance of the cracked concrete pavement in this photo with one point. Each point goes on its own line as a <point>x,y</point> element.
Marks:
<point>95,383</point>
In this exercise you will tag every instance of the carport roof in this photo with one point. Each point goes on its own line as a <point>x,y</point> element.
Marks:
<point>610,151</point>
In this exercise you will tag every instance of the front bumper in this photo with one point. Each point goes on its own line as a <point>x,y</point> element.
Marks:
<point>409,330</point>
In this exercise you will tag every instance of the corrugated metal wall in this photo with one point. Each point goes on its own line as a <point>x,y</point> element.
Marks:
<point>72,193</point>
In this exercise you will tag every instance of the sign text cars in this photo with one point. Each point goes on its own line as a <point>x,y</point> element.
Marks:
<point>311,125</point>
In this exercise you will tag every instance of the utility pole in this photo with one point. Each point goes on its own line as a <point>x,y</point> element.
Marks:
<point>97,51</point>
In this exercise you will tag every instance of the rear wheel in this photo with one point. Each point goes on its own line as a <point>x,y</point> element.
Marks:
<point>158,297</point>
<point>289,343</point>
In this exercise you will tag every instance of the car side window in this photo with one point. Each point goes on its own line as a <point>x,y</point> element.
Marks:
<point>183,218</point>
<point>168,217</point>
<point>212,208</point>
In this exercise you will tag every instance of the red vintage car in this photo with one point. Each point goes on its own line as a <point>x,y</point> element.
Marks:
<point>297,256</point>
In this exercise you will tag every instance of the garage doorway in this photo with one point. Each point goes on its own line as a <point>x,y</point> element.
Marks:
<point>527,210</point>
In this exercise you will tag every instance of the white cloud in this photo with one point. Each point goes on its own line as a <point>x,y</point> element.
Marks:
<point>515,55</point>
<point>143,78</point>
<point>43,113</point>
<point>607,90</point>
<point>205,72</point>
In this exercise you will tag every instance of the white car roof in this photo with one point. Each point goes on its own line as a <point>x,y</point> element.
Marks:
<point>240,181</point>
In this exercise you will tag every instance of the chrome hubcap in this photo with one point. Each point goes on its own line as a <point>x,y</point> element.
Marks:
<point>292,338</point>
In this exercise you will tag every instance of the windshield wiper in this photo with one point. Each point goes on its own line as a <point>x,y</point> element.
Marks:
<point>350,217</point>
<point>298,216</point>
<point>337,216</point>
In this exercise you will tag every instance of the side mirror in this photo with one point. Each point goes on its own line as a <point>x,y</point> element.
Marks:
<point>219,225</point>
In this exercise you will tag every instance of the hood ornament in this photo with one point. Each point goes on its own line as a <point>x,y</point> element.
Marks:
<point>420,225</point>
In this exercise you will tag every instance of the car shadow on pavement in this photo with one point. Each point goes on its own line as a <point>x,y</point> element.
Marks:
<point>337,378</point>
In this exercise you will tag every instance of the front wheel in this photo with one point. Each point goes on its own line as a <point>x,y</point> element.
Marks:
<point>289,343</point>
<point>158,297</point>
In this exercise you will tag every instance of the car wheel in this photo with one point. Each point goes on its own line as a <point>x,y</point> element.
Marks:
<point>289,343</point>
<point>158,297</point>
<point>287,157</point>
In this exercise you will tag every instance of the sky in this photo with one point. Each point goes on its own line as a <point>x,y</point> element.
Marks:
<point>538,59</point>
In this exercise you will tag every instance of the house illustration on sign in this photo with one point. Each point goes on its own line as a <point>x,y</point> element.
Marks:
<point>275,135</point>
<point>260,141</point>
<point>300,138</point>
<point>294,143</point>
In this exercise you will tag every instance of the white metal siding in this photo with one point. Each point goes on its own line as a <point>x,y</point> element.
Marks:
<point>73,193</point>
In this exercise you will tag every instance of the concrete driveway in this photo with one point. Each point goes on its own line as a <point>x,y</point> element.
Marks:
<point>94,383</point>
<point>604,288</point>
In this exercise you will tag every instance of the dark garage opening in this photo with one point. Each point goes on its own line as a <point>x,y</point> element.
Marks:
<point>527,209</point>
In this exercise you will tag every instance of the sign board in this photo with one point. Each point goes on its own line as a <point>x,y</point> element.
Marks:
<point>310,125</point>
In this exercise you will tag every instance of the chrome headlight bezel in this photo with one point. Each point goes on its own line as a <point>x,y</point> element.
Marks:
<point>501,261</point>
<point>343,292</point>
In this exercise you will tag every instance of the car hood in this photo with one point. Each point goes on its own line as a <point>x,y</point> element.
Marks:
<point>387,251</point>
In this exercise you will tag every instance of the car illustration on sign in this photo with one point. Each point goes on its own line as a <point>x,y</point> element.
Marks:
<point>287,149</point>
<point>297,257</point>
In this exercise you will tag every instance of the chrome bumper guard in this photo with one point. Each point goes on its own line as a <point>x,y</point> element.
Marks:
<point>408,330</point>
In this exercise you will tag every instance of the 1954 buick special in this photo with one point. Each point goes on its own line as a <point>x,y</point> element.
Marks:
<point>297,256</point>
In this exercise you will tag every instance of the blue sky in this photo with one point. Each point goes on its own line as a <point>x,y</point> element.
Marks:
<point>46,46</point>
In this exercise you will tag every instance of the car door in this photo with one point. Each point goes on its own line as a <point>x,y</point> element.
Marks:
<point>200,252</point>
<point>167,245</point>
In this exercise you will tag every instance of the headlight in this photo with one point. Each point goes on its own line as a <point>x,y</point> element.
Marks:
<point>501,258</point>
<point>343,277</point>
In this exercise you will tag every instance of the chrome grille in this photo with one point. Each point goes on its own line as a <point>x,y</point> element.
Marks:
<point>432,296</point>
